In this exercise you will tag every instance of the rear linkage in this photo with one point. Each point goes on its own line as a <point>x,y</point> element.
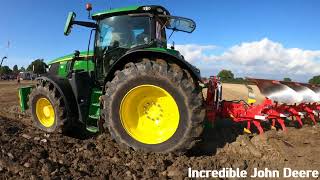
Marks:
<point>283,100</point>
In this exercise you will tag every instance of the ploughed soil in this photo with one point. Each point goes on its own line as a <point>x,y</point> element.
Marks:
<point>26,152</point>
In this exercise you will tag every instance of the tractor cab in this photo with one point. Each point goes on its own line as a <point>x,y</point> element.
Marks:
<point>132,29</point>
<point>124,30</point>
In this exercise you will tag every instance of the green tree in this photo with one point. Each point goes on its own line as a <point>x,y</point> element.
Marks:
<point>5,70</point>
<point>287,79</point>
<point>15,69</point>
<point>37,66</point>
<point>226,75</point>
<point>22,69</point>
<point>315,80</point>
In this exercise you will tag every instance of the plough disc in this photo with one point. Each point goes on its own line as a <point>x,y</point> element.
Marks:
<point>277,91</point>
<point>314,88</point>
<point>308,95</point>
<point>284,101</point>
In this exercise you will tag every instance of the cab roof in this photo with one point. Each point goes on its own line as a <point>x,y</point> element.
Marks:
<point>131,9</point>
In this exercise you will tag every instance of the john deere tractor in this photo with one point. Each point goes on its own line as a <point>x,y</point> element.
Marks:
<point>145,94</point>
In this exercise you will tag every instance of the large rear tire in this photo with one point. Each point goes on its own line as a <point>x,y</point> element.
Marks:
<point>47,108</point>
<point>154,106</point>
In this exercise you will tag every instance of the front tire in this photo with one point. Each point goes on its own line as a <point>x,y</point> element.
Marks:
<point>154,106</point>
<point>47,108</point>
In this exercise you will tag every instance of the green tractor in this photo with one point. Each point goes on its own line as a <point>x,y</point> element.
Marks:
<point>145,94</point>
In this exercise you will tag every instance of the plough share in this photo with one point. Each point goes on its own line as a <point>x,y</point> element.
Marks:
<point>283,101</point>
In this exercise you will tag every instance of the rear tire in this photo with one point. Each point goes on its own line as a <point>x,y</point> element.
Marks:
<point>47,108</point>
<point>170,78</point>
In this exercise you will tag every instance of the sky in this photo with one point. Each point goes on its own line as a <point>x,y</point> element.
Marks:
<point>265,39</point>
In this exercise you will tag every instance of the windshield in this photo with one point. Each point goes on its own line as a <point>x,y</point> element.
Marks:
<point>179,23</point>
<point>123,31</point>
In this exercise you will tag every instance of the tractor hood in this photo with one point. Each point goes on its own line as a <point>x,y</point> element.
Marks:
<point>83,54</point>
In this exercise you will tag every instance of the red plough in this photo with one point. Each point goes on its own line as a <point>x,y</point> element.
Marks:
<point>283,100</point>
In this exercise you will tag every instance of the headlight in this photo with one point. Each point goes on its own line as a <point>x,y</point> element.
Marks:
<point>146,8</point>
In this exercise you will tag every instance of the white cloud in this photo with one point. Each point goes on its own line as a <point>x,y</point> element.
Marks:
<point>264,59</point>
<point>193,52</point>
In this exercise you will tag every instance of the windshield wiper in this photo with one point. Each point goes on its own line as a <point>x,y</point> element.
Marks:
<point>173,30</point>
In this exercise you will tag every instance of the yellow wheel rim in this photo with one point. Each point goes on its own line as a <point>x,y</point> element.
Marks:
<point>45,112</point>
<point>149,114</point>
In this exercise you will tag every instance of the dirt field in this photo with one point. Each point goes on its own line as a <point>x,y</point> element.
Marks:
<point>30,153</point>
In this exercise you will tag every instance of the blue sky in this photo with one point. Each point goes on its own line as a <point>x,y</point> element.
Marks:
<point>225,30</point>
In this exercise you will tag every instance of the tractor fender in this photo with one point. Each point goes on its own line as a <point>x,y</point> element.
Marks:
<point>64,88</point>
<point>132,56</point>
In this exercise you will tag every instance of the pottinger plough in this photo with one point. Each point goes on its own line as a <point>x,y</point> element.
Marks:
<point>283,101</point>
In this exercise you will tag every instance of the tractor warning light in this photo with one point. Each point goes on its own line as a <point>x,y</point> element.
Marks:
<point>88,6</point>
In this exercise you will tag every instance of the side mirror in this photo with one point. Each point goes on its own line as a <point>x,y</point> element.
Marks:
<point>69,23</point>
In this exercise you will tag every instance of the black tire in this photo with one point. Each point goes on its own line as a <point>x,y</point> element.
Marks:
<point>173,79</point>
<point>45,89</point>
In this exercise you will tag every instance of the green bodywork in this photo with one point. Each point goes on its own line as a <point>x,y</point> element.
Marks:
<point>78,65</point>
<point>64,63</point>
<point>85,62</point>
<point>83,54</point>
<point>63,70</point>
<point>116,10</point>
<point>23,97</point>
<point>94,110</point>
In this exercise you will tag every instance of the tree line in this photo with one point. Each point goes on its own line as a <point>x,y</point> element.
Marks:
<point>37,66</point>
<point>228,77</point>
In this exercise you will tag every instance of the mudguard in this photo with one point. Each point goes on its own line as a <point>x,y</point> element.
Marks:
<point>64,88</point>
<point>131,56</point>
